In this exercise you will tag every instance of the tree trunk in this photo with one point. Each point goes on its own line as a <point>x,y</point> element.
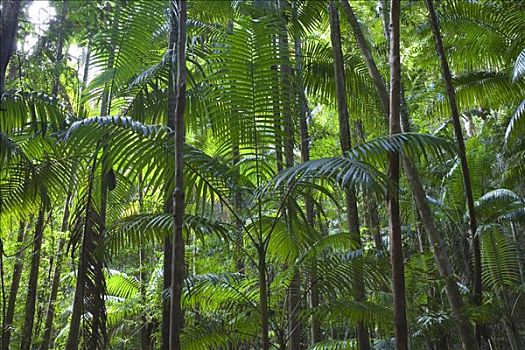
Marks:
<point>294,290</point>
<point>263,299</point>
<point>451,95</point>
<point>178,268</point>
<point>48,328</point>
<point>13,292</point>
<point>9,16</point>
<point>304,113</point>
<point>32,286</point>
<point>168,207</point>
<point>344,138</point>
<point>394,221</point>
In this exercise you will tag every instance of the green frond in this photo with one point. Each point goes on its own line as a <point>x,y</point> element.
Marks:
<point>119,284</point>
<point>496,203</point>
<point>519,66</point>
<point>150,228</point>
<point>499,258</point>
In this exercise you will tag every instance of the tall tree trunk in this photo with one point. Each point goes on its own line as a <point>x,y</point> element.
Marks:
<point>294,290</point>
<point>48,328</point>
<point>394,221</point>
<point>9,16</point>
<point>168,207</point>
<point>456,121</point>
<point>344,138</point>
<point>434,236</point>
<point>178,268</point>
<point>13,291</point>
<point>304,113</point>
<point>32,286</point>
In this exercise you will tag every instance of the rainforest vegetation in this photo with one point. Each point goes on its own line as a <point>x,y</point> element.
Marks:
<point>262,174</point>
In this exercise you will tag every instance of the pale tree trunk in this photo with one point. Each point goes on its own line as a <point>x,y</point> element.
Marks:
<point>9,20</point>
<point>434,236</point>
<point>178,268</point>
<point>13,291</point>
<point>456,121</point>
<point>32,286</point>
<point>394,220</point>
<point>363,338</point>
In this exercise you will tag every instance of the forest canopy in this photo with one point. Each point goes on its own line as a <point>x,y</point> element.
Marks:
<point>262,174</point>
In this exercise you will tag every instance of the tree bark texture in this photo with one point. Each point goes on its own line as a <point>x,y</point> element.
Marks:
<point>178,268</point>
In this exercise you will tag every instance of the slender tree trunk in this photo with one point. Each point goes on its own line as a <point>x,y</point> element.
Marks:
<point>363,338</point>
<point>294,290</point>
<point>168,207</point>
<point>394,221</point>
<point>48,328</point>
<point>147,326</point>
<point>304,113</point>
<point>456,121</point>
<point>435,239</point>
<point>263,299</point>
<point>9,16</point>
<point>13,292</point>
<point>32,286</point>
<point>178,268</point>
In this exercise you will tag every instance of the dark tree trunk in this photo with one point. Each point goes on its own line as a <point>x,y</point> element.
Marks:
<point>263,300</point>
<point>294,290</point>
<point>13,292</point>
<point>168,208</point>
<point>178,268</point>
<point>456,121</point>
<point>32,286</point>
<point>304,113</point>
<point>344,138</point>
<point>10,13</point>
<point>394,221</point>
